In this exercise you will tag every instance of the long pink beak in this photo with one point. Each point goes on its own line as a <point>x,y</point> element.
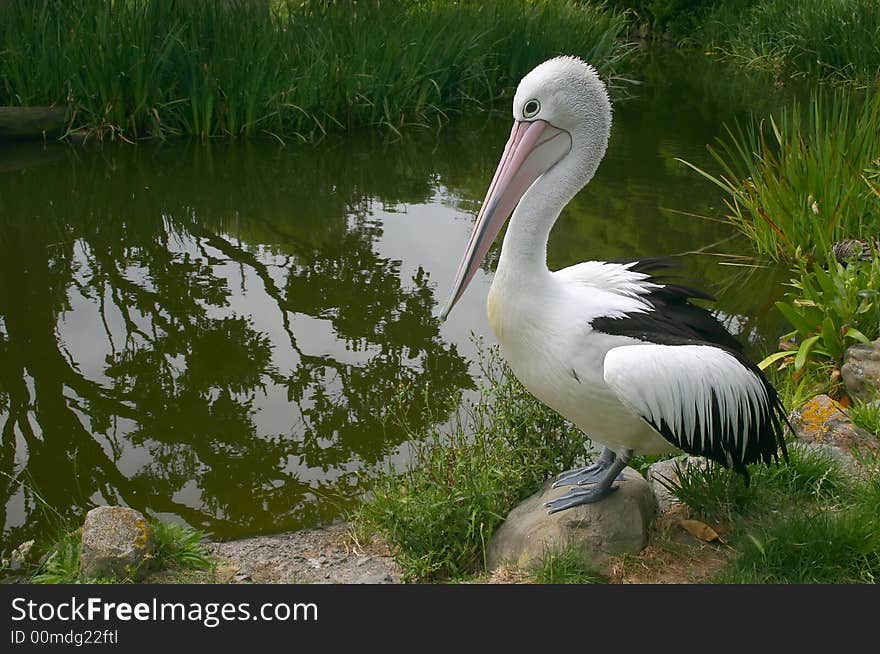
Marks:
<point>533,148</point>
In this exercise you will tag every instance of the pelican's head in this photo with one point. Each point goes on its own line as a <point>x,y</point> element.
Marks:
<point>562,120</point>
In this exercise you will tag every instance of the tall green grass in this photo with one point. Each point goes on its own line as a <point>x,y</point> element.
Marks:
<point>837,40</point>
<point>799,181</point>
<point>131,68</point>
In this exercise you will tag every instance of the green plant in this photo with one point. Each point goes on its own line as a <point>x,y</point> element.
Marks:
<point>803,179</point>
<point>180,546</point>
<point>438,514</point>
<point>565,566</point>
<point>710,490</point>
<point>62,564</point>
<point>297,70</point>
<point>866,414</point>
<point>830,309</point>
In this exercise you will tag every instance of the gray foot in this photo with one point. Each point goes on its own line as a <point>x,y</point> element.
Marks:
<point>611,464</point>
<point>588,475</point>
<point>578,496</point>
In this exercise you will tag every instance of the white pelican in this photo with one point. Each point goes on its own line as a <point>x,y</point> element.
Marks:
<point>612,346</point>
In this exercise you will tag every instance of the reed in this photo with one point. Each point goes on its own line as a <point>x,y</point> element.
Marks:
<point>804,178</point>
<point>134,69</point>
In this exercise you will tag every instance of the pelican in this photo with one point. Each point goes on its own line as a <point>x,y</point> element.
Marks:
<point>616,347</point>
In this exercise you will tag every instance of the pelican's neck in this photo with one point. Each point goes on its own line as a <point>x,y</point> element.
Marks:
<point>524,251</point>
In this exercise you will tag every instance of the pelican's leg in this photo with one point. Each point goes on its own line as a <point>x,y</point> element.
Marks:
<point>588,475</point>
<point>603,487</point>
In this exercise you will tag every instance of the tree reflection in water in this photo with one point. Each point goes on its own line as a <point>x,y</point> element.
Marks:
<point>143,260</point>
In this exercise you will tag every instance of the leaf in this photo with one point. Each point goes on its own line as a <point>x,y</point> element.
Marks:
<point>798,320</point>
<point>773,358</point>
<point>856,335</point>
<point>699,530</point>
<point>830,338</point>
<point>804,352</point>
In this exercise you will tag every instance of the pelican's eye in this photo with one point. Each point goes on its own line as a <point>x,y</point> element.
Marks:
<point>531,109</point>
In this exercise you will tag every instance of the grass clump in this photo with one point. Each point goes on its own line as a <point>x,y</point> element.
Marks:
<point>717,493</point>
<point>565,566</point>
<point>866,414</point>
<point>800,181</point>
<point>438,515</point>
<point>132,69</point>
<point>176,548</point>
<point>813,547</point>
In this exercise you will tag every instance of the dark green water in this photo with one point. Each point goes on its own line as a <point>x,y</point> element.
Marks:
<point>212,333</point>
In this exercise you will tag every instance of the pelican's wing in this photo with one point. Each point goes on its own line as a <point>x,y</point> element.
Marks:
<point>702,398</point>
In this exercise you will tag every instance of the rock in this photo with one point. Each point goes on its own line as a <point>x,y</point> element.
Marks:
<point>861,370</point>
<point>617,524</point>
<point>116,542</point>
<point>660,474</point>
<point>822,420</point>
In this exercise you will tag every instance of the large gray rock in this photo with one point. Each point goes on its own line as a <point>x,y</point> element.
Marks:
<point>617,524</point>
<point>117,542</point>
<point>861,370</point>
<point>822,420</point>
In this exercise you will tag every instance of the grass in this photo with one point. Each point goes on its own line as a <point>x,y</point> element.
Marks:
<point>133,69</point>
<point>438,515</point>
<point>835,40</point>
<point>717,493</point>
<point>866,414</point>
<point>819,546</point>
<point>565,567</point>
<point>176,548</point>
<point>804,178</point>
<point>807,521</point>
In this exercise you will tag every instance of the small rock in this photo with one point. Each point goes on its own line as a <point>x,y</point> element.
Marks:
<point>861,370</point>
<point>116,543</point>
<point>822,420</point>
<point>617,524</point>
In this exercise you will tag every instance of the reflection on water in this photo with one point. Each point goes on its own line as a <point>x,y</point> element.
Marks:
<point>214,332</point>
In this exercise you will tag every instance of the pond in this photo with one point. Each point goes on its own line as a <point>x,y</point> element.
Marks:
<point>213,333</point>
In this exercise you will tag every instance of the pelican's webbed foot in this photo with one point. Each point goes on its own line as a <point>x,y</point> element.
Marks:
<point>602,489</point>
<point>578,496</point>
<point>589,475</point>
